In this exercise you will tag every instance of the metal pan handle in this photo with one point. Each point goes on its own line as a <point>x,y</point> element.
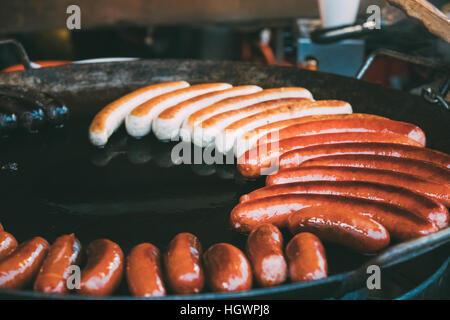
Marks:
<point>20,52</point>
<point>393,256</point>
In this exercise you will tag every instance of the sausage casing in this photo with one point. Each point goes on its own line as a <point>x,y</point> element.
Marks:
<point>357,232</point>
<point>417,184</point>
<point>184,270</point>
<point>144,272</point>
<point>7,244</point>
<point>20,268</point>
<point>53,275</point>
<point>306,258</point>
<point>402,224</point>
<point>430,209</point>
<point>265,252</point>
<point>227,268</point>
<point>424,169</point>
<point>103,270</point>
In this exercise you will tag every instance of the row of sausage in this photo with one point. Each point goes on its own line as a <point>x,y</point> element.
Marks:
<point>184,268</point>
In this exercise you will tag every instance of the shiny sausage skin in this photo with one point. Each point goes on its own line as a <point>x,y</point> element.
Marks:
<point>357,232</point>
<point>264,157</point>
<point>294,158</point>
<point>265,252</point>
<point>306,258</point>
<point>8,121</point>
<point>424,206</point>
<point>184,271</point>
<point>144,272</point>
<point>423,169</point>
<point>20,268</point>
<point>227,269</point>
<point>7,244</point>
<point>53,275</point>
<point>402,224</point>
<point>103,270</point>
<point>349,125</point>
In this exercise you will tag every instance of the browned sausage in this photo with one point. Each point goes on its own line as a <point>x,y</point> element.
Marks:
<point>53,275</point>
<point>103,270</point>
<point>420,185</point>
<point>306,258</point>
<point>227,269</point>
<point>7,244</point>
<point>265,252</point>
<point>426,170</point>
<point>184,271</point>
<point>294,158</point>
<point>20,268</point>
<point>402,224</point>
<point>357,232</point>
<point>424,206</point>
<point>349,125</point>
<point>264,157</point>
<point>144,273</point>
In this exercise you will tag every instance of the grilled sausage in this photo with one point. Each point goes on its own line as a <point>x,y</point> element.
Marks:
<point>215,125</point>
<point>265,252</point>
<point>184,271</point>
<point>402,224</point>
<point>422,186</point>
<point>357,232</point>
<point>264,157</point>
<point>168,123</point>
<point>424,169</point>
<point>294,158</point>
<point>20,268</point>
<point>103,270</point>
<point>306,258</point>
<point>226,140</point>
<point>7,244</point>
<point>190,129</point>
<point>144,273</point>
<point>227,269</point>
<point>424,206</point>
<point>111,117</point>
<point>348,125</point>
<point>139,121</point>
<point>30,116</point>
<point>246,140</point>
<point>53,275</point>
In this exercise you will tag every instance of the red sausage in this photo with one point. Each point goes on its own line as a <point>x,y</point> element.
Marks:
<point>7,244</point>
<point>265,252</point>
<point>426,170</point>
<point>420,185</point>
<point>348,125</point>
<point>184,271</point>
<point>294,158</point>
<point>402,224</point>
<point>306,258</point>
<point>263,157</point>
<point>144,273</point>
<point>20,268</point>
<point>104,268</point>
<point>227,269</point>
<point>424,206</point>
<point>53,275</point>
<point>357,232</point>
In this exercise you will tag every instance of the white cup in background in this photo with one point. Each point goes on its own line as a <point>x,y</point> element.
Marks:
<point>338,12</point>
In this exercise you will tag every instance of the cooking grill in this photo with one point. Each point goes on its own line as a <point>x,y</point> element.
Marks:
<point>55,182</point>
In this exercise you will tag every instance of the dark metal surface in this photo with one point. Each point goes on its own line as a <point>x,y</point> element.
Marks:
<point>56,183</point>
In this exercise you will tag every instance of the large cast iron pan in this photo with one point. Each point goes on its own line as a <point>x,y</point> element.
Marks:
<point>55,182</point>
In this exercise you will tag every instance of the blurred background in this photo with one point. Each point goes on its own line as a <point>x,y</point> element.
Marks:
<point>275,32</point>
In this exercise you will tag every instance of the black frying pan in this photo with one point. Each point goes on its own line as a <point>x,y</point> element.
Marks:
<point>55,182</point>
